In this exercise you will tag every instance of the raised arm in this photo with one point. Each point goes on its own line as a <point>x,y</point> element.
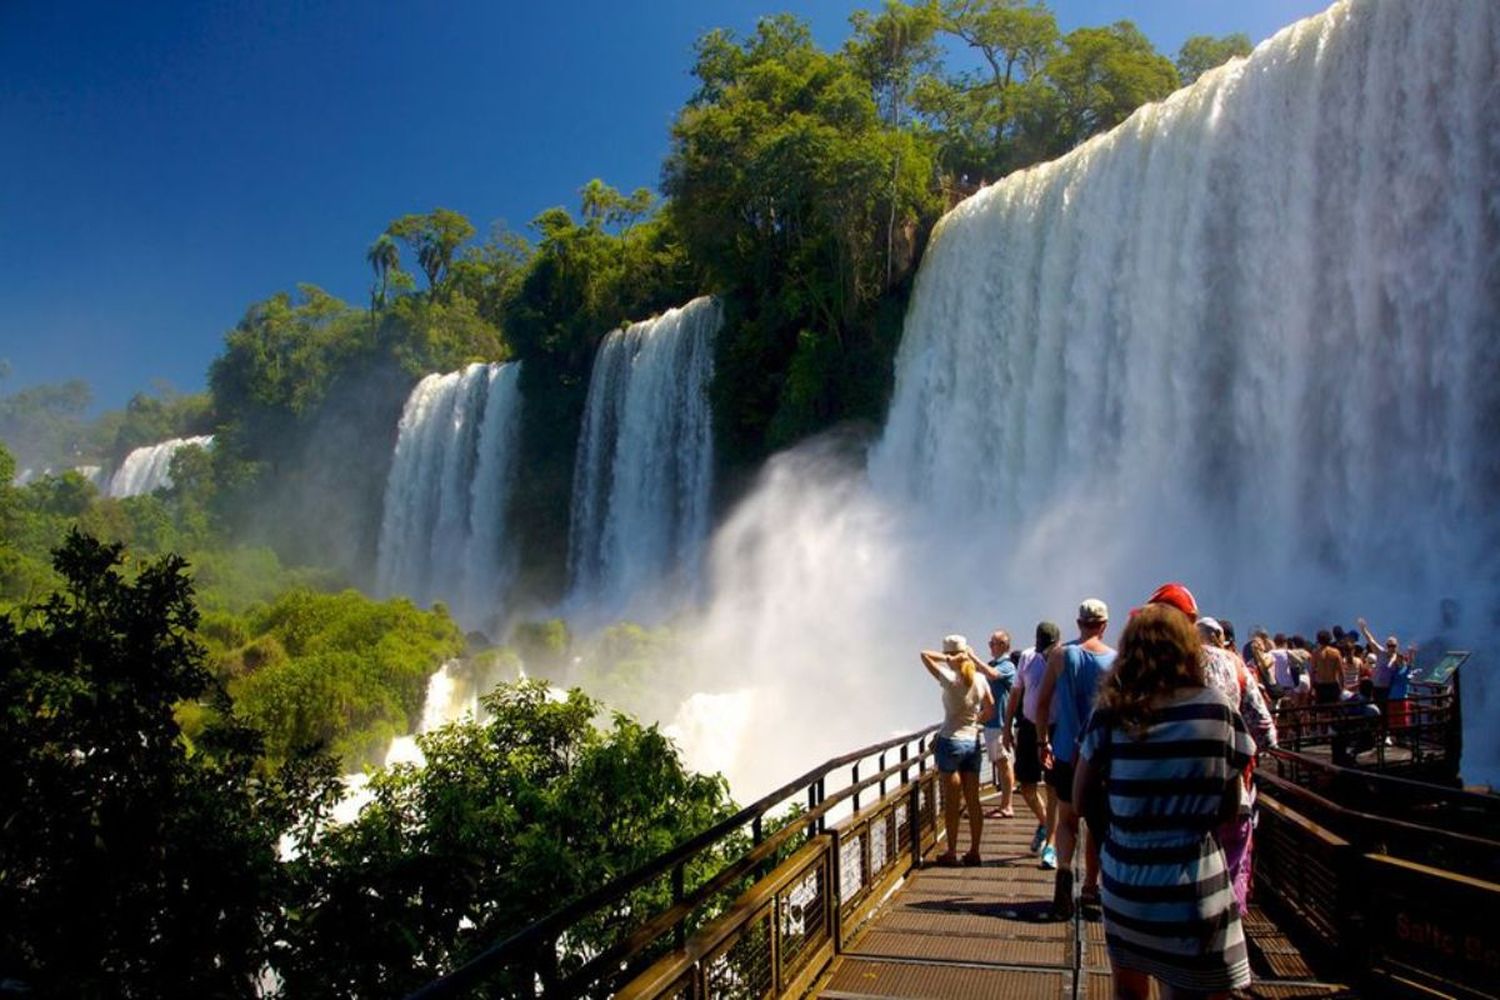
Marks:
<point>981,667</point>
<point>934,662</point>
<point>1364,628</point>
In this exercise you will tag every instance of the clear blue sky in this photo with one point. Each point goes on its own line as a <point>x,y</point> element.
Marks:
<point>165,164</point>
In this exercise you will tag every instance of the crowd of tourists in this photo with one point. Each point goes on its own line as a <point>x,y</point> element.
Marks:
<point>1146,754</point>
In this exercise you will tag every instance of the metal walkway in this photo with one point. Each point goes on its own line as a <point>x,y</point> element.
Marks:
<point>987,931</point>
<point>1372,884</point>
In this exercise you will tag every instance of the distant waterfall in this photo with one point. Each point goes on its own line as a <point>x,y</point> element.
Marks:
<point>1252,336</point>
<point>146,470</point>
<point>644,470</point>
<point>443,535</point>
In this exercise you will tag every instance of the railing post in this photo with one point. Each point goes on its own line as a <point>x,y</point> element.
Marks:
<point>546,967</point>
<point>679,889</point>
<point>905,756</point>
<point>881,766</point>
<point>854,780</point>
<point>812,803</point>
<point>914,821</point>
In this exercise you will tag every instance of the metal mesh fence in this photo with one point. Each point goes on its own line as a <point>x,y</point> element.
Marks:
<point>879,841</point>
<point>803,913</point>
<point>743,970</point>
<point>851,865</point>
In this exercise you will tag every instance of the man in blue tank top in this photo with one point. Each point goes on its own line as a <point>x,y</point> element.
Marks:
<point>1074,673</point>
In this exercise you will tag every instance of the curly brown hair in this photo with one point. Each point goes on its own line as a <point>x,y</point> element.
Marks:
<point>1159,653</point>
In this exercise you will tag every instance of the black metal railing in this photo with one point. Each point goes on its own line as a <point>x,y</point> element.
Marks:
<point>1396,902</point>
<point>541,960</point>
<point>1420,733</point>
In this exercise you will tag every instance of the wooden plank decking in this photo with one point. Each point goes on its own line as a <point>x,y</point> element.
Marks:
<point>987,931</point>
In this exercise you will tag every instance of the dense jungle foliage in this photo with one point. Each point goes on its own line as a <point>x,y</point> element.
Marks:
<point>184,674</point>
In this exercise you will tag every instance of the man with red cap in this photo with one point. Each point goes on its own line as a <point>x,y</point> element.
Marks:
<point>1177,596</point>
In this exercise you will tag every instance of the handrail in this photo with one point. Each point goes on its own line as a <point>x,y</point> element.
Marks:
<point>1374,833</point>
<point>1383,784</point>
<point>543,934</point>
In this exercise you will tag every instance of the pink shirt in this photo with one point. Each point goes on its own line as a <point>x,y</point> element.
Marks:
<point>1029,674</point>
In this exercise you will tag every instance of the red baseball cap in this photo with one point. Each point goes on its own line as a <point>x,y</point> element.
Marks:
<point>1177,596</point>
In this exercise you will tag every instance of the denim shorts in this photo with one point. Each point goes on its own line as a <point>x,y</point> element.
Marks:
<point>955,754</point>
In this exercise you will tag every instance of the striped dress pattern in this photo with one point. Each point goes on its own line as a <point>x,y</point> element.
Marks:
<point>1169,910</point>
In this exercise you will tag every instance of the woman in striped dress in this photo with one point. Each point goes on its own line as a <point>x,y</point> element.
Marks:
<point>1168,752</point>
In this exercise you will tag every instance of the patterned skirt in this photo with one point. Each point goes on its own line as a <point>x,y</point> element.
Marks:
<point>1170,912</point>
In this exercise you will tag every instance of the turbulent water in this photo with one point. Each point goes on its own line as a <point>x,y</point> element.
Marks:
<point>443,534</point>
<point>146,470</point>
<point>1248,337</point>
<point>644,469</point>
<point>1249,340</point>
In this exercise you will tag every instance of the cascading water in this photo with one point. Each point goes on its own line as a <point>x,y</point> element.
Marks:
<point>1247,340</point>
<point>146,470</point>
<point>1249,337</point>
<point>644,469</point>
<point>448,700</point>
<point>443,534</point>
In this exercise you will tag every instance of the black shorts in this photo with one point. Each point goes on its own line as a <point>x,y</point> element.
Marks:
<point>1028,768</point>
<point>1061,780</point>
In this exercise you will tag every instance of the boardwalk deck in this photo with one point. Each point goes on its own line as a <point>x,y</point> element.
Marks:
<point>987,931</point>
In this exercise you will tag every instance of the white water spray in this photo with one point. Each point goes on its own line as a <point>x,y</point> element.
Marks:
<point>443,535</point>
<point>449,699</point>
<point>146,470</point>
<point>643,476</point>
<point>1247,340</point>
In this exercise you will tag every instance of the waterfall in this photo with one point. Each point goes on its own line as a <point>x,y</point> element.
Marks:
<point>644,468</point>
<point>443,534</point>
<point>1250,340</point>
<point>1248,337</point>
<point>146,470</point>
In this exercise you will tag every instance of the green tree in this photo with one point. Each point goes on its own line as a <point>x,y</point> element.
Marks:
<point>892,49</point>
<point>133,866</point>
<point>384,258</point>
<point>509,820</point>
<point>1101,76</point>
<point>604,206</point>
<point>1201,53</point>
<point>979,114</point>
<point>801,205</point>
<point>350,672</point>
<point>434,238</point>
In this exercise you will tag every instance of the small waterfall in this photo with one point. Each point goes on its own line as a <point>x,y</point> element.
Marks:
<point>644,469</point>
<point>443,535</point>
<point>448,700</point>
<point>146,470</point>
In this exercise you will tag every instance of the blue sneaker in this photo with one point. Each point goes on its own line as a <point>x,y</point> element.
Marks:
<point>1038,838</point>
<point>1049,857</point>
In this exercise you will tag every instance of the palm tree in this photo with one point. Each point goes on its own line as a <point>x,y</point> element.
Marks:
<point>383,257</point>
